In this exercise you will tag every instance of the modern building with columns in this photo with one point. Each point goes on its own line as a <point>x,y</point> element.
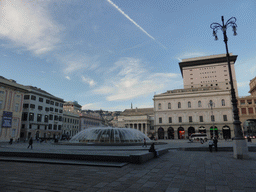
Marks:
<point>141,119</point>
<point>204,105</point>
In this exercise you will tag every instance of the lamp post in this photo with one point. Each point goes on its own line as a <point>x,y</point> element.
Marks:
<point>240,148</point>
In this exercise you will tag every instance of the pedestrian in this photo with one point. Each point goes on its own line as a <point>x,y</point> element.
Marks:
<point>152,149</point>
<point>11,140</point>
<point>30,142</point>
<point>210,145</point>
<point>215,141</point>
<point>144,143</point>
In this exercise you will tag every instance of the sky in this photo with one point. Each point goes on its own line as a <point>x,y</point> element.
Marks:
<point>107,54</point>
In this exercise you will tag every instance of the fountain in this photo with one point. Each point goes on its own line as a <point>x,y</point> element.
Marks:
<point>109,135</point>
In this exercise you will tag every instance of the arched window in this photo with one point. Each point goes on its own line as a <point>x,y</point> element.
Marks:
<point>159,106</point>
<point>223,102</point>
<point>179,105</point>
<point>169,106</point>
<point>199,104</point>
<point>189,104</point>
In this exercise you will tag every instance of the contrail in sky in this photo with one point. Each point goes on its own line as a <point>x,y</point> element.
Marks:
<point>114,5</point>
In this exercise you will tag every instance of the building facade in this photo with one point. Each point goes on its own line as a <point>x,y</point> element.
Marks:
<point>253,87</point>
<point>141,119</point>
<point>179,113</point>
<point>204,105</point>
<point>42,115</point>
<point>11,101</point>
<point>90,120</point>
<point>71,118</point>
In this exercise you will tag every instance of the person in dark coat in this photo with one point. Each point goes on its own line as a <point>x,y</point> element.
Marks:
<point>215,142</point>
<point>30,142</point>
<point>153,150</point>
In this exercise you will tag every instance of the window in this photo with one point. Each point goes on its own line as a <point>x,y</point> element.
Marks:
<point>50,117</point>
<point>242,102</point>
<point>170,120</point>
<point>31,116</point>
<point>250,110</point>
<point>52,102</point>
<point>169,106</point>
<point>189,104</point>
<point>26,97</point>
<point>159,106</point>
<point>55,127</point>
<point>32,106</point>
<point>23,126</point>
<point>46,118</point>
<point>24,116</point>
<point>17,107</point>
<point>47,101</point>
<point>60,118</point>
<point>51,108</point>
<point>222,102</point>
<point>212,118</point>
<point>243,110</point>
<point>56,117</point>
<point>40,107</point>
<point>61,104</point>
<point>56,104</point>
<point>41,99</point>
<point>56,110</point>
<point>50,126</point>
<point>179,104</point>
<point>249,101</point>
<point>33,97</point>
<point>190,119</point>
<point>25,106</point>
<point>225,118</point>
<point>59,127</point>
<point>39,117</point>
<point>180,119</point>
<point>199,104</point>
<point>160,119</point>
<point>201,119</point>
<point>47,109</point>
<point>61,111</point>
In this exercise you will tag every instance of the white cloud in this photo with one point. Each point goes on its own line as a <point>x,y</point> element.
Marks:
<point>27,24</point>
<point>133,80</point>
<point>67,77</point>
<point>76,62</point>
<point>89,81</point>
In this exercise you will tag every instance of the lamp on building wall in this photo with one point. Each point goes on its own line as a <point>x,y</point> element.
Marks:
<point>240,148</point>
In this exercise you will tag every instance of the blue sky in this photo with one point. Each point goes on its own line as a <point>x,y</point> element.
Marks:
<point>107,54</point>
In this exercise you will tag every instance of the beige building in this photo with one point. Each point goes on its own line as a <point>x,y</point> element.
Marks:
<point>140,119</point>
<point>178,113</point>
<point>71,118</point>
<point>11,101</point>
<point>253,87</point>
<point>90,120</point>
<point>247,110</point>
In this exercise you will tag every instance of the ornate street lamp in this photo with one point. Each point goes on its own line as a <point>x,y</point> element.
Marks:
<point>240,148</point>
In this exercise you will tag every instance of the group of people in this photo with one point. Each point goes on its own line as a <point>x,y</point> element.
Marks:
<point>214,143</point>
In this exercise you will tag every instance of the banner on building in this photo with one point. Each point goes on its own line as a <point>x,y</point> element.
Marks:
<point>7,119</point>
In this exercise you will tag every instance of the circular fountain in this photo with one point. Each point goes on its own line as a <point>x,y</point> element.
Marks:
<point>109,136</point>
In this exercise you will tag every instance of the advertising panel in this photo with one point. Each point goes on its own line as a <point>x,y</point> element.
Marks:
<point>7,119</point>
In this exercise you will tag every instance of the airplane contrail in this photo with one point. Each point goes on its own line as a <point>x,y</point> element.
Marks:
<point>114,5</point>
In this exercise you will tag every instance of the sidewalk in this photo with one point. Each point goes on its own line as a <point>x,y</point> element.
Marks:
<point>176,171</point>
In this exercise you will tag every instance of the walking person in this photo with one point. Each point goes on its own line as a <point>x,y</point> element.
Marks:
<point>30,142</point>
<point>215,142</point>
<point>210,145</point>
<point>144,143</point>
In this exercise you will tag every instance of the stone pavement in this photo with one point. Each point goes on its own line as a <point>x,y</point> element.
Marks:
<point>176,171</point>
